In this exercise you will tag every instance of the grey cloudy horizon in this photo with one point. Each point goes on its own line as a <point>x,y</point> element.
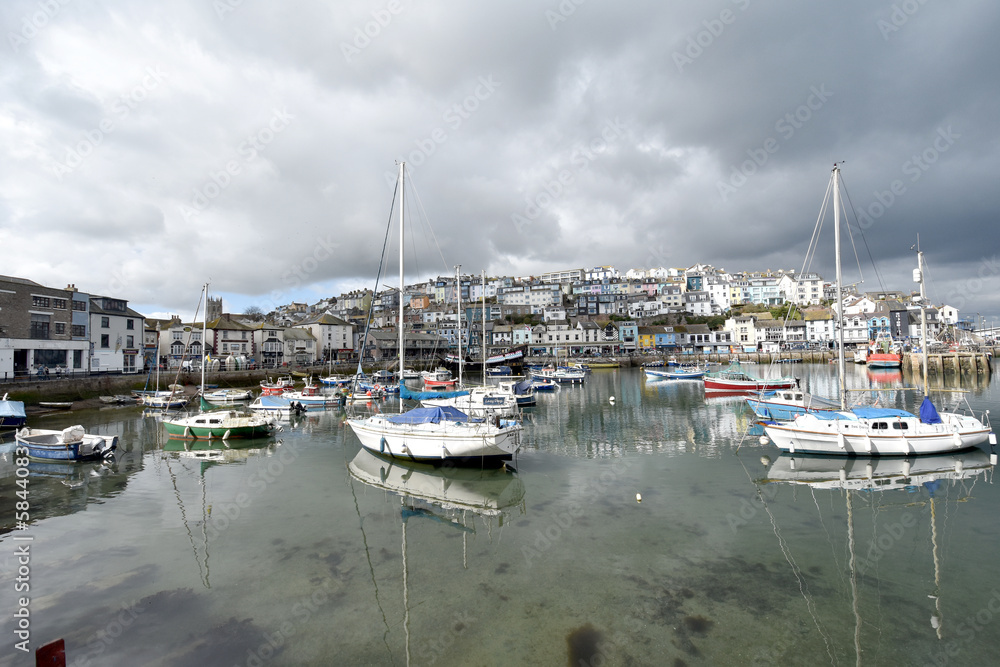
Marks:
<point>150,148</point>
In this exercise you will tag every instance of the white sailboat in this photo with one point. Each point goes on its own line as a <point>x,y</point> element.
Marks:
<point>436,433</point>
<point>873,431</point>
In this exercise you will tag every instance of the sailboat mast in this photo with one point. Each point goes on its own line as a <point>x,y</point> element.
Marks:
<point>919,275</point>
<point>204,336</point>
<point>484,326</point>
<point>402,193</point>
<point>841,363</point>
<point>458,292</point>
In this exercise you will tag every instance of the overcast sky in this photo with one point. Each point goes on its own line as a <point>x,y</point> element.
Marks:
<point>151,147</point>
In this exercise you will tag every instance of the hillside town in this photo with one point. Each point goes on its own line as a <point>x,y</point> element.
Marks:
<point>579,312</point>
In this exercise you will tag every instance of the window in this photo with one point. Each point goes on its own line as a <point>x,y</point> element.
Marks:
<point>39,327</point>
<point>59,303</point>
<point>130,324</point>
<point>78,331</point>
<point>176,335</point>
<point>225,335</point>
<point>900,426</point>
<point>105,322</point>
<point>40,301</point>
<point>79,305</point>
<point>130,341</point>
<point>105,340</point>
<point>60,328</point>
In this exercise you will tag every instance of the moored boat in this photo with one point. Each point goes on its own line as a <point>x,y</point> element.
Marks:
<point>734,378</point>
<point>226,396</point>
<point>11,413</point>
<point>222,424</point>
<point>69,444</point>
<point>877,431</point>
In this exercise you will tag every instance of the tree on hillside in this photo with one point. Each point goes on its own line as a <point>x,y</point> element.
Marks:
<point>254,313</point>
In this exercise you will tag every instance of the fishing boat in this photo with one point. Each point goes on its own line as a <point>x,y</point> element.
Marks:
<point>11,413</point>
<point>439,378</point>
<point>277,387</point>
<point>734,378</point>
<point>869,431</point>
<point>542,383</point>
<point>433,434</point>
<point>683,373</point>
<point>883,352</point>
<point>69,444</point>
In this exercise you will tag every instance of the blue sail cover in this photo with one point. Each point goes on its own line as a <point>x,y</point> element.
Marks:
<point>11,409</point>
<point>928,413</point>
<point>522,387</point>
<point>861,413</point>
<point>404,392</point>
<point>429,416</point>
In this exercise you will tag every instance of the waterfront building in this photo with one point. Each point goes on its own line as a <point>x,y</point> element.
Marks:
<point>42,328</point>
<point>116,336</point>
<point>334,336</point>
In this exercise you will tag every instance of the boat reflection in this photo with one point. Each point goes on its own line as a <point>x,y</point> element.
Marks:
<point>489,492</point>
<point>876,472</point>
<point>886,377</point>
<point>892,494</point>
<point>218,450</point>
<point>445,495</point>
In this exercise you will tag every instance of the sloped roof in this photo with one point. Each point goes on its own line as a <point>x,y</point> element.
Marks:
<point>327,318</point>
<point>298,334</point>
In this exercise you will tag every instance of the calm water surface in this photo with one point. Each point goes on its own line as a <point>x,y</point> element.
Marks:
<point>302,549</point>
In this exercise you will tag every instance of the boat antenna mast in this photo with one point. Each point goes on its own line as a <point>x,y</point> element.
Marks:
<point>458,310</point>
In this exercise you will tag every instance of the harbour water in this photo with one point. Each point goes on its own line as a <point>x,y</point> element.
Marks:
<point>644,526</point>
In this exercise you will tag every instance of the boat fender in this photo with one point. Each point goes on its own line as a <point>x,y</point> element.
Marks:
<point>381,445</point>
<point>225,436</point>
<point>187,431</point>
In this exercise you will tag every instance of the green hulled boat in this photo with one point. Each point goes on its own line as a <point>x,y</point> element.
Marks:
<point>222,424</point>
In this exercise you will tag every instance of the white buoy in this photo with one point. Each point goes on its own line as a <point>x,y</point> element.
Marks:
<point>638,497</point>
<point>611,400</point>
<point>763,440</point>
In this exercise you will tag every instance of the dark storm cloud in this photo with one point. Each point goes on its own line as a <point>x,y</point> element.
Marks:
<point>253,144</point>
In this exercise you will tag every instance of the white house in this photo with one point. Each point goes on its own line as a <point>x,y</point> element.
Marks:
<point>116,336</point>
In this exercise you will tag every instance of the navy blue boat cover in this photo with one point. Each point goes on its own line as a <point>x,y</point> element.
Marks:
<point>429,416</point>
<point>928,413</point>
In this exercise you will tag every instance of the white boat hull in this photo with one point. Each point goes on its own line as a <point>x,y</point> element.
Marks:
<point>808,434</point>
<point>435,442</point>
